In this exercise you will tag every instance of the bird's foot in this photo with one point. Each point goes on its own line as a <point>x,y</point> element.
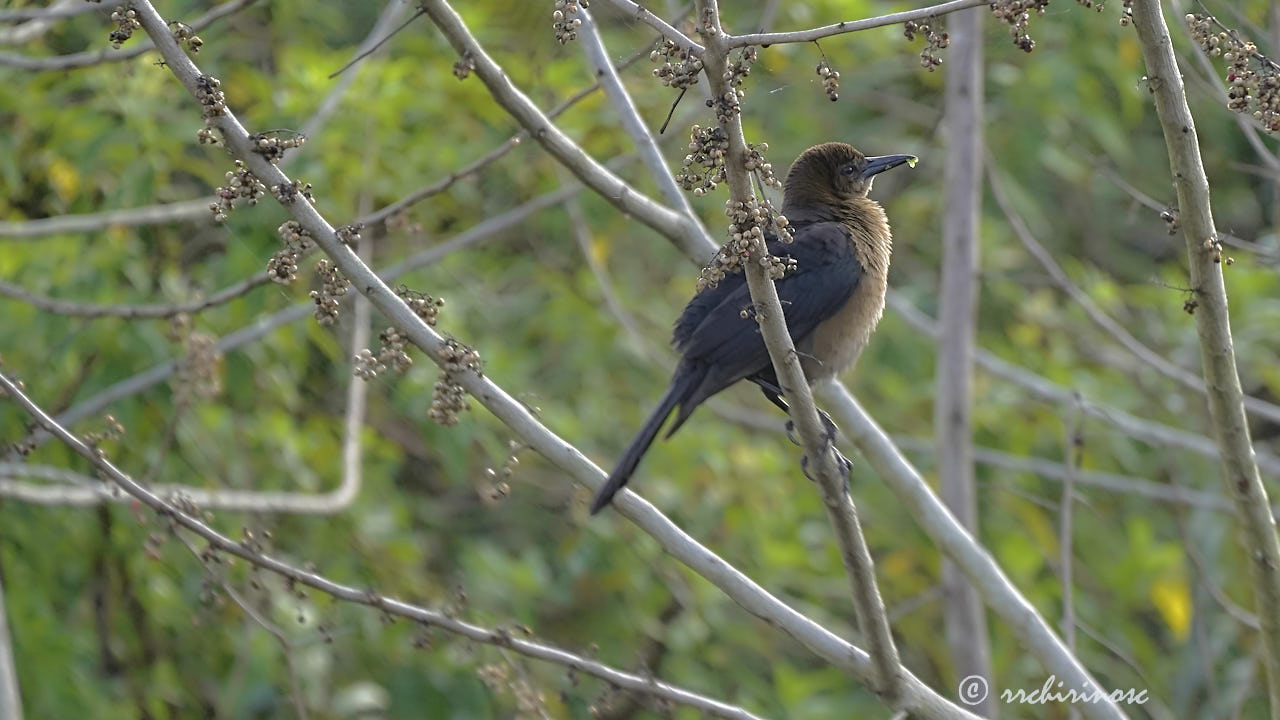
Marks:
<point>829,430</point>
<point>843,464</point>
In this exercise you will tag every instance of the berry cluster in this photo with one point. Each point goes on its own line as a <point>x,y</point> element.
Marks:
<point>1017,13</point>
<point>289,192</point>
<point>423,305</point>
<point>463,67</point>
<point>704,165</point>
<point>497,486</point>
<point>449,398</point>
<point>756,162</point>
<point>747,223</point>
<point>830,79</point>
<point>241,183</point>
<point>564,19</point>
<point>1253,79</point>
<point>272,144</point>
<point>213,102</point>
<point>679,68</point>
<point>1170,217</point>
<point>113,431</point>
<point>1126,13</point>
<point>283,266</point>
<point>735,72</point>
<point>185,35</point>
<point>199,374</point>
<point>126,20</point>
<point>349,235</point>
<point>333,286</point>
<point>934,40</point>
<point>391,353</point>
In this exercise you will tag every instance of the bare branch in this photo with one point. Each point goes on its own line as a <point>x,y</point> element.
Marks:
<point>637,11</point>
<point>1213,325</point>
<point>98,57</point>
<point>869,610</point>
<point>39,20</point>
<point>91,310</point>
<point>587,169</point>
<point>427,617</point>
<point>632,123</point>
<point>840,28</point>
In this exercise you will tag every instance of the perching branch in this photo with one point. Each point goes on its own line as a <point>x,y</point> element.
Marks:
<point>868,605</point>
<point>916,695</point>
<point>1213,325</point>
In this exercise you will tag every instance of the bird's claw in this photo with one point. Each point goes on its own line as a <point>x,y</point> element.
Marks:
<point>843,464</point>
<point>830,431</point>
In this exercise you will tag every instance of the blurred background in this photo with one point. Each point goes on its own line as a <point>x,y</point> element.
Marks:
<point>571,310</point>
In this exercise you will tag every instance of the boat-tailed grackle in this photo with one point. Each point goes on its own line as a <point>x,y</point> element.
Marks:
<point>832,299</point>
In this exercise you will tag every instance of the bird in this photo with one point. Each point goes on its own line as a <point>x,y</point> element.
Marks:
<point>832,299</point>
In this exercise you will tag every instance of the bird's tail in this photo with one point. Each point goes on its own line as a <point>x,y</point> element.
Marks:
<point>681,385</point>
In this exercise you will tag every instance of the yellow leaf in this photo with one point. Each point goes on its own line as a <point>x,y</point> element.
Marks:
<point>1173,600</point>
<point>64,178</point>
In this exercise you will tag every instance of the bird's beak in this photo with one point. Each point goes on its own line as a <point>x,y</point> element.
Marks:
<point>877,165</point>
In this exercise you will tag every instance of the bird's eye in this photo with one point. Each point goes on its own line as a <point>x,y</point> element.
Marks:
<point>846,170</point>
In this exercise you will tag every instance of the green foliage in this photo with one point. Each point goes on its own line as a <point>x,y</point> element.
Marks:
<point>105,630</point>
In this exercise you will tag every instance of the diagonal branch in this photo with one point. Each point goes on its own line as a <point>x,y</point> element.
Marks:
<point>867,603</point>
<point>587,169</point>
<point>425,616</point>
<point>1213,325</point>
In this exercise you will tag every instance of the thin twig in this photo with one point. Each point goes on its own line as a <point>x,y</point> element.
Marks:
<point>1149,431</point>
<point>800,36</point>
<point>107,55</point>
<point>1156,361</point>
<point>374,48</point>
<point>639,12</point>
<point>286,647</point>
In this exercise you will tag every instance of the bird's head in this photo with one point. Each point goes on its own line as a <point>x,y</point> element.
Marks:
<point>834,174</point>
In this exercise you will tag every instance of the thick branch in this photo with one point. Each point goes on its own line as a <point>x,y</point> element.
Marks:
<point>966,620</point>
<point>868,605</point>
<point>1213,326</point>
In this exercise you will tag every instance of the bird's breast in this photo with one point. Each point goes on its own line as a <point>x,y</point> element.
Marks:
<point>836,343</point>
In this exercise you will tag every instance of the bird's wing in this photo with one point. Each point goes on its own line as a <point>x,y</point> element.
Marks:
<point>713,330</point>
